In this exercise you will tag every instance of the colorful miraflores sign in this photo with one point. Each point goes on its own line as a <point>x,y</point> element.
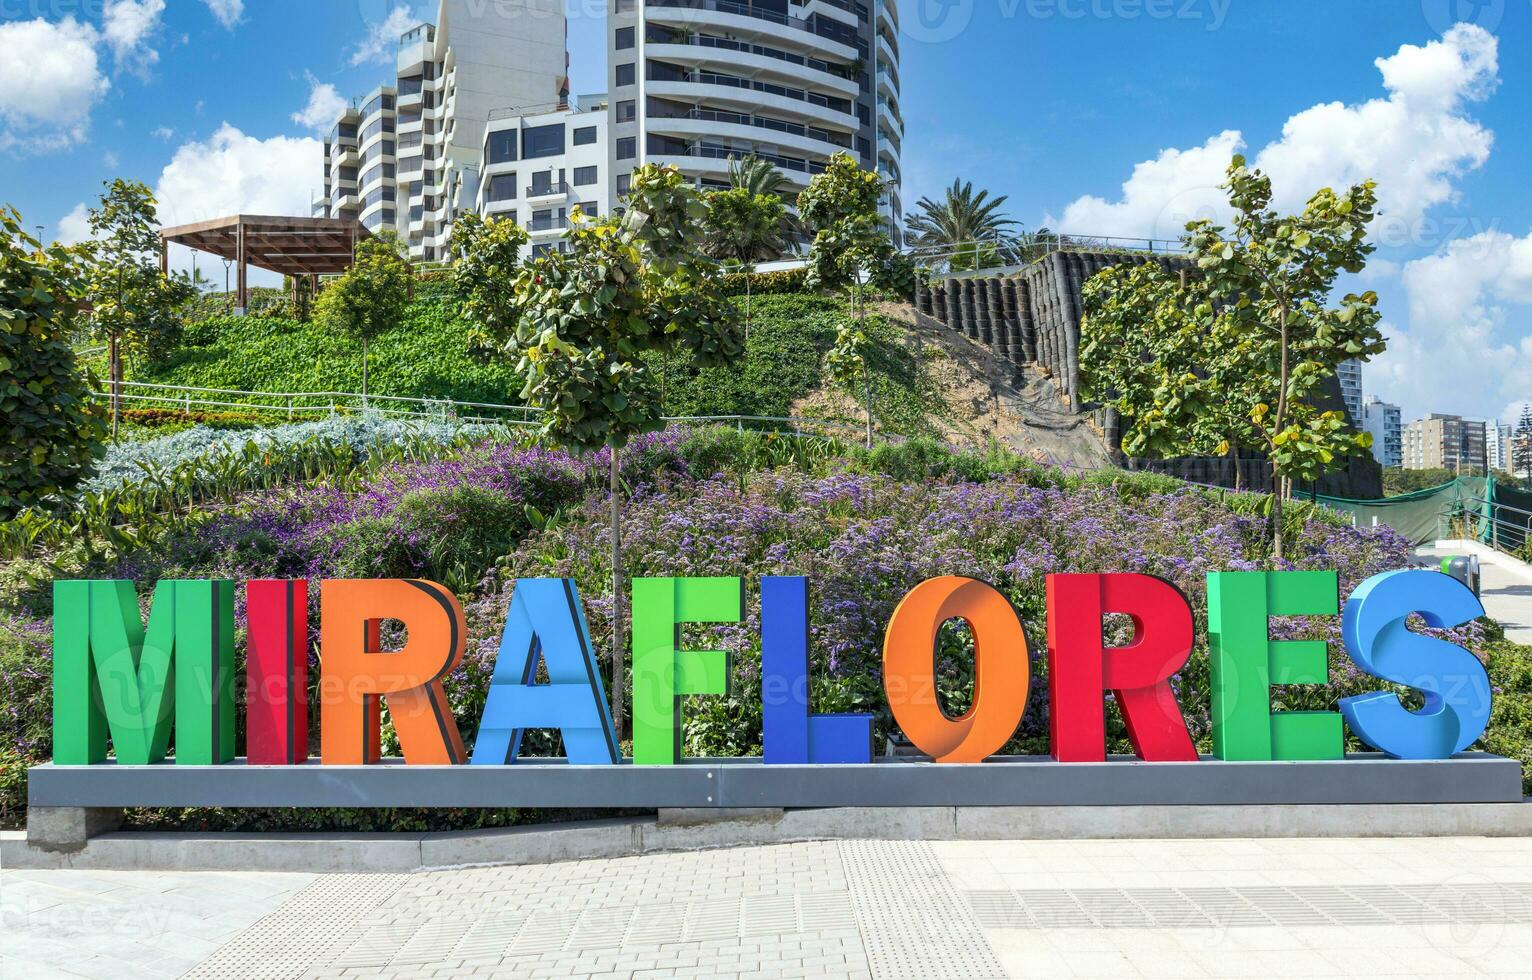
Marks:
<point>122,681</point>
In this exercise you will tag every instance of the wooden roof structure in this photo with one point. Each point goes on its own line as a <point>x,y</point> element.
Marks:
<point>288,246</point>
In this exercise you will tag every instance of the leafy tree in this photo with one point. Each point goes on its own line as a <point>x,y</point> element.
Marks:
<point>970,228</point>
<point>133,305</point>
<point>50,432</point>
<point>851,248</point>
<point>486,255</point>
<point>369,298</point>
<point>1144,352</point>
<point>1521,452</point>
<point>744,228</point>
<point>580,323</point>
<point>1271,278</point>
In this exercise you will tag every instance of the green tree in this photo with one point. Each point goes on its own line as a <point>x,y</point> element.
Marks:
<point>852,249</point>
<point>581,323</point>
<point>970,229</point>
<point>369,298</point>
<point>1271,278</point>
<point>751,173</point>
<point>133,304</point>
<point>486,255</point>
<point>1521,452</point>
<point>50,432</point>
<point>745,228</point>
<point>1144,352</point>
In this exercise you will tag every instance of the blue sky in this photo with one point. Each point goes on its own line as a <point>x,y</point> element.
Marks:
<point>1098,117</point>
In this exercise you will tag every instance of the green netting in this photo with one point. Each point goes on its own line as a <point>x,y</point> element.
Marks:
<point>1450,510</point>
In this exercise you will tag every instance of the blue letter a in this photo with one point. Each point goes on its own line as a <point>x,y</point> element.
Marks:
<point>546,621</point>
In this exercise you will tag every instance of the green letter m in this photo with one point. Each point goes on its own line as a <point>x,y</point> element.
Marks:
<point>111,676</point>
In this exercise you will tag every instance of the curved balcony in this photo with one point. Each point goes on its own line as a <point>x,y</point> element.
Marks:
<point>725,59</point>
<point>830,9</point>
<point>345,156</point>
<point>722,129</point>
<point>706,161</point>
<point>754,22</point>
<point>888,52</point>
<point>748,99</point>
<point>890,123</point>
<point>887,14</point>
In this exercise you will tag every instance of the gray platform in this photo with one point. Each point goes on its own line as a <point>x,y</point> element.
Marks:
<point>1004,781</point>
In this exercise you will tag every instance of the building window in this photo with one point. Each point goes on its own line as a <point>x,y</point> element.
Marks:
<point>584,176</point>
<point>627,111</point>
<point>502,187</point>
<point>627,149</point>
<point>589,210</point>
<point>542,141</point>
<point>624,183</point>
<point>625,74</point>
<point>585,136</point>
<point>502,146</point>
<point>624,38</point>
<point>624,6</point>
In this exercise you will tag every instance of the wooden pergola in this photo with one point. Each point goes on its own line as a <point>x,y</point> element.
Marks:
<point>296,247</point>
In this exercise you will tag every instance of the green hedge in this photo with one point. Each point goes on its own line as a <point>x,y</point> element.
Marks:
<point>765,283</point>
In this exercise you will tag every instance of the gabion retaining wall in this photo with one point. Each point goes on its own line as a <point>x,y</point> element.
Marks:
<point>1033,318</point>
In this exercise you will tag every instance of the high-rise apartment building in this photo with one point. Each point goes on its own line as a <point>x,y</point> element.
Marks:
<point>1383,421</point>
<point>693,83</point>
<point>1349,373</point>
<point>1444,442</point>
<point>410,153</point>
<point>1497,445</point>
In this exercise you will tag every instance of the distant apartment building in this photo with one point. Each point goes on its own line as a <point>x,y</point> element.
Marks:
<point>1445,442</point>
<point>1383,421</point>
<point>540,166</point>
<point>1497,445</point>
<point>693,83</point>
<point>410,153</point>
<point>1349,373</point>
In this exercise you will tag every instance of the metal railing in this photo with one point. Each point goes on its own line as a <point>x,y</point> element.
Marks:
<point>1019,250</point>
<point>309,405</point>
<point>1505,528</point>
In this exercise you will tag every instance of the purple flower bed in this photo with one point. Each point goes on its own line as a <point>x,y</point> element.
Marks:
<point>483,517</point>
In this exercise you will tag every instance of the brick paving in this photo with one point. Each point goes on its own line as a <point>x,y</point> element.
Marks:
<point>897,909</point>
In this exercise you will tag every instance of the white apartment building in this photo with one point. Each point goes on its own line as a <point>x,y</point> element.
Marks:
<point>409,154</point>
<point>539,166</point>
<point>1384,422</point>
<point>693,83</point>
<point>1349,373</point>
<point>1497,445</point>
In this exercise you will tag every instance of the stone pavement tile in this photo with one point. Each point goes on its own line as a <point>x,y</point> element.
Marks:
<point>1099,963</point>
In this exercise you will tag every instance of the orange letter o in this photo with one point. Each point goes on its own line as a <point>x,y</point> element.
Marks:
<point>1002,669</point>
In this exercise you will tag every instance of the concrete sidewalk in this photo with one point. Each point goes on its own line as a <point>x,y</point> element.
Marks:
<point>896,909</point>
<point>1505,589</point>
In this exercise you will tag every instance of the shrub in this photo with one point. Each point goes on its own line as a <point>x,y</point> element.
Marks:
<point>764,283</point>
<point>49,431</point>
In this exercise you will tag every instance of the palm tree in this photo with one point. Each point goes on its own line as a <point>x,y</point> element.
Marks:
<point>751,173</point>
<point>757,176</point>
<point>970,226</point>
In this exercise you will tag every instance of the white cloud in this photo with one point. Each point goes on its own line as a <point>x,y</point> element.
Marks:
<point>126,26</point>
<point>1465,348</point>
<point>228,12</point>
<point>324,106</point>
<point>232,173</point>
<point>1414,141</point>
<point>164,133</point>
<point>382,38</point>
<point>49,81</point>
<point>74,227</point>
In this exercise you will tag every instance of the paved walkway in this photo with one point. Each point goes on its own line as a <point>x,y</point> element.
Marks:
<point>1505,588</point>
<point>925,911</point>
